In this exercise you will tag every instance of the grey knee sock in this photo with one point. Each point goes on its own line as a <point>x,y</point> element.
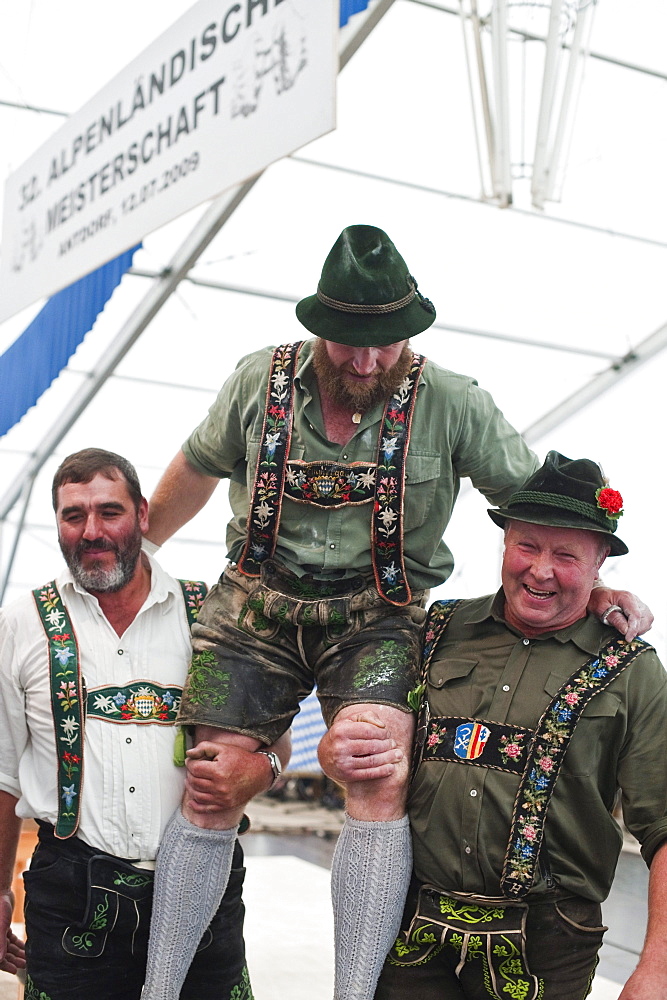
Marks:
<point>190,881</point>
<point>370,876</point>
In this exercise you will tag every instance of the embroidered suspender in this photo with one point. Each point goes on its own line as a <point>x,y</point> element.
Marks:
<point>541,755</point>
<point>327,487</point>
<point>68,695</point>
<point>545,757</point>
<point>387,532</point>
<point>267,493</point>
<point>194,592</point>
<point>438,619</point>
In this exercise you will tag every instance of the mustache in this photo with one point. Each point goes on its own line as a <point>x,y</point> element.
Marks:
<point>100,544</point>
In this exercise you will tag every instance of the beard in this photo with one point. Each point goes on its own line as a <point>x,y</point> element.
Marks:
<point>99,578</point>
<point>352,395</point>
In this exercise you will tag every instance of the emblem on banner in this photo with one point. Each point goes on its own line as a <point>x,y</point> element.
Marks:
<point>470,740</point>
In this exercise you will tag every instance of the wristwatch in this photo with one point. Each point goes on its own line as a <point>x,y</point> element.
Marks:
<point>276,766</point>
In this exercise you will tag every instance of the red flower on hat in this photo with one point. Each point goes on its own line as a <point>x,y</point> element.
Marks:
<point>610,501</point>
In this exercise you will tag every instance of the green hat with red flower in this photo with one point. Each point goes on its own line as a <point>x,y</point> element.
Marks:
<point>567,493</point>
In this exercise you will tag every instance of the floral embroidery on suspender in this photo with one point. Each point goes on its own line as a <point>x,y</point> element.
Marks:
<point>387,529</point>
<point>267,494</point>
<point>439,616</point>
<point>194,592</point>
<point>388,476</point>
<point>67,696</point>
<point>545,757</point>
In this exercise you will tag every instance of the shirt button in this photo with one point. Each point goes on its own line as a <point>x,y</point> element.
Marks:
<point>506,687</point>
<point>131,788</point>
<point>468,850</point>
<point>526,642</point>
<point>333,545</point>
<point>128,739</point>
<point>345,458</point>
<point>120,652</point>
<point>473,792</point>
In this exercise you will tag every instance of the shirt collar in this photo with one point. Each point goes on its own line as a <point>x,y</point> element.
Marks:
<point>584,633</point>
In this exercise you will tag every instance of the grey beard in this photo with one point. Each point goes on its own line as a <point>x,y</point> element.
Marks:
<point>103,581</point>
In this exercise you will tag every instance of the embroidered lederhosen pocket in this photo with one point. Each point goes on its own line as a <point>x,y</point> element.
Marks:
<point>110,882</point>
<point>490,932</point>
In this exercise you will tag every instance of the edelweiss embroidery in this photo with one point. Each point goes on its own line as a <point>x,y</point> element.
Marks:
<point>66,687</point>
<point>330,484</point>
<point>139,702</point>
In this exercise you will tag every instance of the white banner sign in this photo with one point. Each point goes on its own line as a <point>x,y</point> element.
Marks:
<point>227,90</point>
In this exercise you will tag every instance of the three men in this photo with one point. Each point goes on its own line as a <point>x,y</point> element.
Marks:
<point>93,667</point>
<point>328,443</point>
<point>535,715</point>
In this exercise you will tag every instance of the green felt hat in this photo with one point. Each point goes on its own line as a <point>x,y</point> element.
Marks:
<point>366,296</point>
<point>567,493</point>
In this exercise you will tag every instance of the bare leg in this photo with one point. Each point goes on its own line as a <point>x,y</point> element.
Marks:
<point>373,859</point>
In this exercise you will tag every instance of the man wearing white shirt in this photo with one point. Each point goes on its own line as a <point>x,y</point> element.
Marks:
<point>93,665</point>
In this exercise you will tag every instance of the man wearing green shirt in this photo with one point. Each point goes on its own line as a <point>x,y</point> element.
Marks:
<point>535,715</point>
<point>344,456</point>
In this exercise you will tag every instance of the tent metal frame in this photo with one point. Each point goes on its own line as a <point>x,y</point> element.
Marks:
<point>164,284</point>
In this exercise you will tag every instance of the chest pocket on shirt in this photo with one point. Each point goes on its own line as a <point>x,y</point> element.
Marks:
<point>449,688</point>
<point>591,737</point>
<point>421,478</point>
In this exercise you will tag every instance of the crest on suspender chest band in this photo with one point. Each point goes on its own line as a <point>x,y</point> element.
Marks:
<point>71,704</point>
<point>537,755</point>
<point>330,484</point>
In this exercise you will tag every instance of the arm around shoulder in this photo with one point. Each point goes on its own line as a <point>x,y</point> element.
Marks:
<point>180,494</point>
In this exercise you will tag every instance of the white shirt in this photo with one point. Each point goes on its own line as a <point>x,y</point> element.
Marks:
<point>130,785</point>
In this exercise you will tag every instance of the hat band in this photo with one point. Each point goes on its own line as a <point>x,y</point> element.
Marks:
<point>564,503</point>
<point>352,307</point>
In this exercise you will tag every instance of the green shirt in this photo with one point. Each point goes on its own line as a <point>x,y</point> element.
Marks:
<point>457,431</point>
<point>461,812</point>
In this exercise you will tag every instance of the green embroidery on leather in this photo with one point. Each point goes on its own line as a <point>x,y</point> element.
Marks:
<point>281,613</point>
<point>132,881</point>
<point>470,913</point>
<point>510,965</point>
<point>382,665</point>
<point>259,622</point>
<point>419,938</point>
<point>33,992</point>
<point>243,990</point>
<point>98,923</point>
<point>207,683</point>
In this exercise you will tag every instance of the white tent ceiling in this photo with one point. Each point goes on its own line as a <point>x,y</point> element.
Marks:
<point>570,292</point>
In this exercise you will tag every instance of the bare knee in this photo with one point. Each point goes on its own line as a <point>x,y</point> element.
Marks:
<point>223,773</point>
<point>387,732</point>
